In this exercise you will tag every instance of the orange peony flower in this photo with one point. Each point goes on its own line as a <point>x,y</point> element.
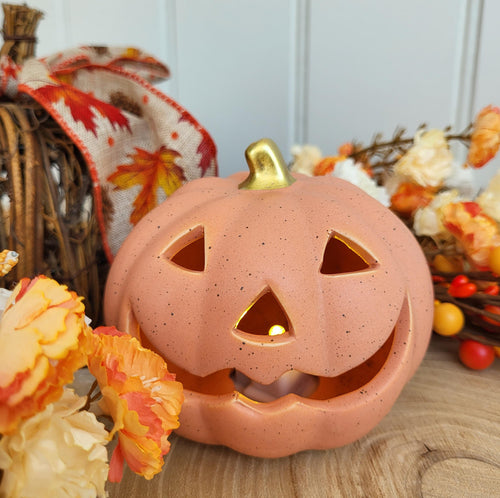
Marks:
<point>39,348</point>
<point>485,139</point>
<point>409,197</point>
<point>474,230</point>
<point>141,396</point>
<point>327,165</point>
<point>346,149</point>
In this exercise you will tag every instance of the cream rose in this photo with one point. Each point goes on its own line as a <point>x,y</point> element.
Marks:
<point>58,452</point>
<point>428,220</point>
<point>428,162</point>
<point>489,200</point>
<point>305,158</point>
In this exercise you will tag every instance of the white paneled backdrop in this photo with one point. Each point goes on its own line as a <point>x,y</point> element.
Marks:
<point>302,71</point>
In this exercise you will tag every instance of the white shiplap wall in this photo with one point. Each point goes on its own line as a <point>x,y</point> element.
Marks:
<point>317,71</point>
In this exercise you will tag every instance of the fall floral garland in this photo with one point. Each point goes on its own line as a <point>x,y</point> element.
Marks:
<point>51,440</point>
<point>457,227</point>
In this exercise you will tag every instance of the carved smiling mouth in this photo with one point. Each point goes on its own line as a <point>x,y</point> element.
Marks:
<point>230,380</point>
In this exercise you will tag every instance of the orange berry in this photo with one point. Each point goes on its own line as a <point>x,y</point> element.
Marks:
<point>446,265</point>
<point>448,319</point>
<point>494,260</point>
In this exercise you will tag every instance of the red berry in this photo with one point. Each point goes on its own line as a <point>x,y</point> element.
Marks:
<point>492,290</point>
<point>463,290</point>
<point>459,280</point>
<point>438,279</point>
<point>475,355</point>
<point>492,309</point>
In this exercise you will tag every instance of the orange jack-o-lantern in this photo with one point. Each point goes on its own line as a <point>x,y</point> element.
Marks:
<point>293,310</point>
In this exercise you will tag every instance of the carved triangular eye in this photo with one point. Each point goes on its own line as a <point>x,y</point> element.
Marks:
<point>189,251</point>
<point>342,256</point>
<point>265,317</point>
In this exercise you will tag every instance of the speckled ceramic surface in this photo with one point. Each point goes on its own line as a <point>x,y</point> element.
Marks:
<point>205,275</point>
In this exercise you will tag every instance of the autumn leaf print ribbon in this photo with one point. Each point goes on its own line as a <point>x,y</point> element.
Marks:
<point>139,144</point>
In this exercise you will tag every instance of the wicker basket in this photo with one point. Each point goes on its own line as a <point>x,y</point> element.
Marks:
<point>19,27</point>
<point>47,207</point>
<point>47,211</point>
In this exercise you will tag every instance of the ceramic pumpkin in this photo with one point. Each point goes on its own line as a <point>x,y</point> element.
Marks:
<point>292,309</point>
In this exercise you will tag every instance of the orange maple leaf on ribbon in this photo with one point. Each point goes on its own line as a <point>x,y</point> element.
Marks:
<point>152,171</point>
<point>83,106</point>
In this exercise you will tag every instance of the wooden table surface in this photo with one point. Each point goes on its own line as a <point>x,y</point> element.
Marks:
<point>441,439</point>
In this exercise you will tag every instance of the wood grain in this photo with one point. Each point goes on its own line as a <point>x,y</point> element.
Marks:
<point>441,439</point>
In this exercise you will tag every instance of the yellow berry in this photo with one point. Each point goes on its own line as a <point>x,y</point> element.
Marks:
<point>446,265</point>
<point>448,319</point>
<point>494,260</point>
<point>497,350</point>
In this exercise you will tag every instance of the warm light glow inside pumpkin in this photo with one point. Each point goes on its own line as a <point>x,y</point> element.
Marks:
<point>264,317</point>
<point>276,330</point>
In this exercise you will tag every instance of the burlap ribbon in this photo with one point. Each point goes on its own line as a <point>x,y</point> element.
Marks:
<point>139,144</point>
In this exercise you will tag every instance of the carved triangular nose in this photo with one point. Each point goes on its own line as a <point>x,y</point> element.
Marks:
<point>265,317</point>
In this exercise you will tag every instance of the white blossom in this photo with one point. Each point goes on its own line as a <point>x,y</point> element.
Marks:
<point>354,173</point>
<point>305,158</point>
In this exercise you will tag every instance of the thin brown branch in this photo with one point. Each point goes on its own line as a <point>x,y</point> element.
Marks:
<point>91,396</point>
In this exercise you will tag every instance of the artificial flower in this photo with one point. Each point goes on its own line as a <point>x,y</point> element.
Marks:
<point>4,297</point>
<point>305,158</point>
<point>354,173</point>
<point>308,159</point>
<point>489,199</point>
<point>58,452</point>
<point>476,232</point>
<point>485,138</point>
<point>8,259</point>
<point>462,179</point>
<point>428,162</point>
<point>141,396</point>
<point>346,149</point>
<point>428,220</point>
<point>409,197</point>
<point>40,334</point>
<point>327,165</point>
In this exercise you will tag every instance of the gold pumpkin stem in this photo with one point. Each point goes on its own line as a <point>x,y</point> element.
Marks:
<point>268,169</point>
